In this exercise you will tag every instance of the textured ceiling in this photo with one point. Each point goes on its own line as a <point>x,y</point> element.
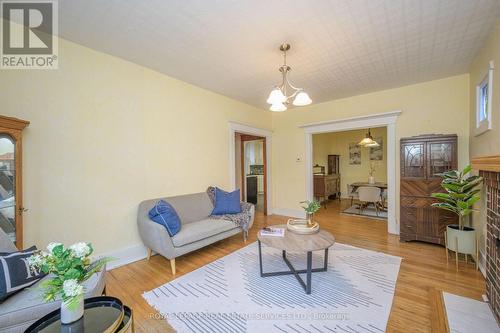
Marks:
<point>339,48</point>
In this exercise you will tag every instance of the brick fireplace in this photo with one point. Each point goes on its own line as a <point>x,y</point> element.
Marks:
<point>489,169</point>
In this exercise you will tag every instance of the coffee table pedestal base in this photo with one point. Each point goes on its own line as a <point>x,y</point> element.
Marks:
<point>308,271</point>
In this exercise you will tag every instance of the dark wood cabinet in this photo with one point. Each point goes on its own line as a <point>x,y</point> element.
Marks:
<point>326,186</point>
<point>11,184</point>
<point>333,164</point>
<point>422,159</point>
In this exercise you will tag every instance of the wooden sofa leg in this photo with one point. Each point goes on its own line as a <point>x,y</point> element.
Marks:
<point>149,254</point>
<point>172,265</point>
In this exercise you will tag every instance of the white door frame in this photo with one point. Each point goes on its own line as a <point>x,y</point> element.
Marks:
<point>376,120</point>
<point>235,127</point>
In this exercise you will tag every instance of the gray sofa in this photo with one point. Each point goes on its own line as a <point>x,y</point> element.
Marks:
<point>26,306</point>
<point>197,228</point>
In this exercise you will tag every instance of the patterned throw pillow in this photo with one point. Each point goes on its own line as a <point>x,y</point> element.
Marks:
<point>226,202</point>
<point>15,273</point>
<point>163,213</point>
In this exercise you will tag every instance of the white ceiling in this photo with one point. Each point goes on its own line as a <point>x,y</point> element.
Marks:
<point>339,48</point>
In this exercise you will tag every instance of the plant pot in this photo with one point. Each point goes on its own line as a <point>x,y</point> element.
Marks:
<point>466,239</point>
<point>73,312</point>
<point>371,180</point>
<point>310,220</point>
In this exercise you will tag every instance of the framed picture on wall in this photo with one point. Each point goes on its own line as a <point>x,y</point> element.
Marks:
<point>377,153</point>
<point>354,154</point>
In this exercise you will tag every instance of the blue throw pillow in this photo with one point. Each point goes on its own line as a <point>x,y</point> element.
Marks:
<point>163,213</point>
<point>226,202</point>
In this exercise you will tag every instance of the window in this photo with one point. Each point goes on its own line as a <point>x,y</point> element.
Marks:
<point>483,102</point>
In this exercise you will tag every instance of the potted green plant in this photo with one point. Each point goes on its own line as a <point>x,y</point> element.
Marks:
<point>310,207</point>
<point>459,198</point>
<point>70,267</point>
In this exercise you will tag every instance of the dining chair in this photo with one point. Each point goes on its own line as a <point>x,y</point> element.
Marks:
<point>352,193</point>
<point>369,195</point>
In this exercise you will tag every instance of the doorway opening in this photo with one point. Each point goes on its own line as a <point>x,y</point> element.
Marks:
<point>250,169</point>
<point>235,165</point>
<point>353,171</point>
<point>389,120</point>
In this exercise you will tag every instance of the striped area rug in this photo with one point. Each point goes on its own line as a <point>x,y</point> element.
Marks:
<point>228,295</point>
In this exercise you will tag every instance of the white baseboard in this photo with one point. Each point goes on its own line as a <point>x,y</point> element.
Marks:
<point>126,256</point>
<point>297,213</point>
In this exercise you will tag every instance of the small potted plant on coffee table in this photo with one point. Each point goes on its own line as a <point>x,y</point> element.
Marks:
<point>311,207</point>
<point>459,198</point>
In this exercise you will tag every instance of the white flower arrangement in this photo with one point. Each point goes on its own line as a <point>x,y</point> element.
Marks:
<point>80,250</point>
<point>72,288</point>
<point>70,267</point>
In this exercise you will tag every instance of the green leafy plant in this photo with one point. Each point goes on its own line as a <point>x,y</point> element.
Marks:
<point>70,267</point>
<point>311,207</point>
<point>461,193</point>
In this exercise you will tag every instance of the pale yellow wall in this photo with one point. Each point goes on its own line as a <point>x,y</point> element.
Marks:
<point>106,134</point>
<point>439,106</point>
<point>338,144</point>
<point>487,143</point>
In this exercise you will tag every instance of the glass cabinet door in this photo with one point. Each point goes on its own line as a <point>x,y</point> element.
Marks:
<point>8,186</point>
<point>412,160</point>
<point>440,158</point>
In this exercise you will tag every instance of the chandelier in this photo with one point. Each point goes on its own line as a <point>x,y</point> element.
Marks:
<point>278,97</point>
<point>368,141</point>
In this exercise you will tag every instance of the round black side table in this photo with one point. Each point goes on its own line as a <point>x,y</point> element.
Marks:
<point>102,314</point>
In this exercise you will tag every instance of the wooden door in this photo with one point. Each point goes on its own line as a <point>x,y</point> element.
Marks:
<point>247,138</point>
<point>11,185</point>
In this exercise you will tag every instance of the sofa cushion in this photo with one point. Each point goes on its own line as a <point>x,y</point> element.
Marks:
<point>226,202</point>
<point>22,309</point>
<point>191,207</point>
<point>163,213</point>
<point>15,273</point>
<point>199,230</point>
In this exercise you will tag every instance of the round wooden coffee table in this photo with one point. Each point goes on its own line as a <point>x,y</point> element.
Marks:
<point>292,242</point>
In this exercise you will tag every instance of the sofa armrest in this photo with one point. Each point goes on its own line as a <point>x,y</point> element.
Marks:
<point>156,238</point>
<point>252,216</point>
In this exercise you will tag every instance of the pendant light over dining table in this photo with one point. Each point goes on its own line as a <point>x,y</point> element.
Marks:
<point>278,97</point>
<point>368,141</point>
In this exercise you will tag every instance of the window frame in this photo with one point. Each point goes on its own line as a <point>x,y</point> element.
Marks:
<point>484,125</point>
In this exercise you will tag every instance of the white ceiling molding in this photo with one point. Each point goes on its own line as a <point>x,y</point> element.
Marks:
<point>347,124</point>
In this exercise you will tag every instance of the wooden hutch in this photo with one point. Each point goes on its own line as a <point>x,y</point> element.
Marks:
<point>422,159</point>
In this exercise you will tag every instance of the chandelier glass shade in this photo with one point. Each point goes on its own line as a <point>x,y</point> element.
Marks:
<point>282,94</point>
<point>368,141</point>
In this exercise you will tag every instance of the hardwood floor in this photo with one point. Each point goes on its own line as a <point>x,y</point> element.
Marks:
<point>423,271</point>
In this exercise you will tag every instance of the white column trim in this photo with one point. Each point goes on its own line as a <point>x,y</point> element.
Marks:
<point>388,120</point>
<point>236,127</point>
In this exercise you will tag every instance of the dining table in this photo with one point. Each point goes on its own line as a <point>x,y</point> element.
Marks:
<point>382,186</point>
